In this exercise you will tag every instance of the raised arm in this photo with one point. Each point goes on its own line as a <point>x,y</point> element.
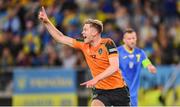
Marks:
<point>55,33</point>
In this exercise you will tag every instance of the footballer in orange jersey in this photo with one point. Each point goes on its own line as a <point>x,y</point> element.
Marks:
<point>109,88</point>
<point>98,60</point>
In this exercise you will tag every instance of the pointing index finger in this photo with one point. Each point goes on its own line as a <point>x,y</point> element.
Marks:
<point>84,83</point>
<point>43,8</point>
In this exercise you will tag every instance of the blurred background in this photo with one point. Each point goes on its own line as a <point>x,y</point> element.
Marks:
<point>35,70</point>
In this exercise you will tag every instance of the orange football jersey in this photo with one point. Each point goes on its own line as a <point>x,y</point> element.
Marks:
<point>98,60</point>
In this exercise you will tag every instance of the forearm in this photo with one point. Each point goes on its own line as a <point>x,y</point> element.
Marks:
<point>109,71</point>
<point>54,31</point>
<point>57,35</point>
<point>151,68</point>
<point>114,66</point>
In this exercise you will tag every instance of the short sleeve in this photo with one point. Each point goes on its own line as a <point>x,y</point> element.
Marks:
<point>111,48</point>
<point>78,43</point>
<point>143,54</point>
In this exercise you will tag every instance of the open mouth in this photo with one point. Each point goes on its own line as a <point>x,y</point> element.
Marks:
<point>84,37</point>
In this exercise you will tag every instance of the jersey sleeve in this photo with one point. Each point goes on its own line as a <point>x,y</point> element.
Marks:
<point>145,60</point>
<point>111,48</point>
<point>78,43</point>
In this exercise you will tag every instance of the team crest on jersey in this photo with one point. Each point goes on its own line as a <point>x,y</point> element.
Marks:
<point>131,56</point>
<point>100,51</point>
<point>131,64</point>
<point>124,57</point>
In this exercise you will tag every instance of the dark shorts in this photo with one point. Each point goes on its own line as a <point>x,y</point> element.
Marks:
<point>114,97</point>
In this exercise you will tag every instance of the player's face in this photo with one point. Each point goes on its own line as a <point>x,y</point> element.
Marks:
<point>88,33</point>
<point>130,39</point>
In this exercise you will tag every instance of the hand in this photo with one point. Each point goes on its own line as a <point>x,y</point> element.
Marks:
<point>152,69</point>
<point>90,83</point>
<point>43,16</point>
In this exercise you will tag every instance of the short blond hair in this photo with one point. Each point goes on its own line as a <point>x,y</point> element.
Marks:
<point>96,24</point>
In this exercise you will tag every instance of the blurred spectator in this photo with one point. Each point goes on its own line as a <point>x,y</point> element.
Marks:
<point>121,15</point>
<point>6,59</point>
<point>111,30</point>
<point>80,62</point>
<point>44,36</point>
<point>16,45</point>
<point>50,57</point>
<point>12,22</point>
<point>71,20</point>
<point>147,36</point>
<point>25,43</point>
<point>170,8</point>
<point>156,23</point>
<point>174,32</point>
<point>166,46</point>
<point>31,38</point>
<point>22,59</point>
<point>3,14</point>
<point>139,17</point>
<point>68,57</point>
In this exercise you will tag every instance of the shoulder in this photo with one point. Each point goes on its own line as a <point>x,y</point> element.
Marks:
<point>139,50</point>
<point>108,42</point>
<point>109,45</point>
<point>120,47</point>
<point>78,43</point>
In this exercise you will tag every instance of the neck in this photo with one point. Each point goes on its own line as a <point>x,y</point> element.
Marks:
<point>129,49</point>
<point>96,41</point>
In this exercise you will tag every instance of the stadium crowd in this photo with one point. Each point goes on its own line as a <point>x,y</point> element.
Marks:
<point>25,42</point>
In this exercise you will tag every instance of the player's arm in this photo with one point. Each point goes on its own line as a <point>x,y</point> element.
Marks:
<point>151,68</point>
<point>55,33</point>
<point>147,64</point>
<point>113,67</point>
<point>113,61</point>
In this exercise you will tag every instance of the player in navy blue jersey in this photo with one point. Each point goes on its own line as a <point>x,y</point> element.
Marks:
<point>131,61</point>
